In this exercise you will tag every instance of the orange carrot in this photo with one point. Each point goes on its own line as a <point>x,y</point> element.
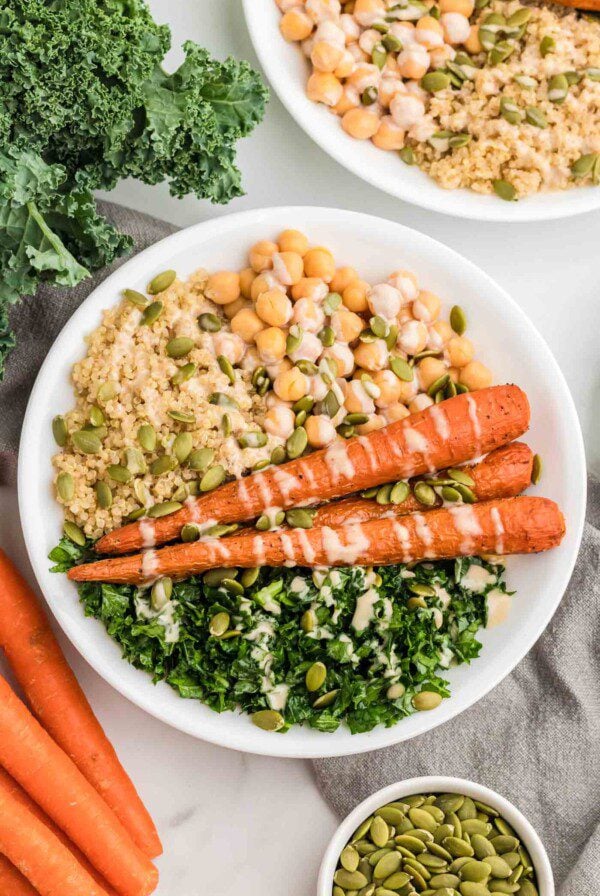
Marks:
<point>441,436</point>
<point>60,705</point>
<point>49,866</point>
<point>9,785</point>
<point>509,526</point>
<point>54,782</point>
<point>12,882</point>
<point>504,473</point>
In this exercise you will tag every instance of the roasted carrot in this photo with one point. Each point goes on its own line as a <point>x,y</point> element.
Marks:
<point>591,5</point>
<point>449,433</point>
<point>520,525</point>
<point>9,785</point>
<point>504,473</point>
<point>54,782</point>
<point>12,882</point>
<point>49,866</point>
<point>58,702</point>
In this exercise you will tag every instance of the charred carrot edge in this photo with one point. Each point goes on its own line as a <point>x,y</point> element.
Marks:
<point>520,525</point>
<point>50,867</point>
<point>12,881</point>
<point>592,5</point>
<point>441,436</point>
<point>53,781</point>
<point>504,473</point>
<point>58,702</point>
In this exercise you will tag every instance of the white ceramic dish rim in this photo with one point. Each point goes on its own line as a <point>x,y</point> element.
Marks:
<point>152,259</point>
<point>280,63</point>
<point>438,784</point>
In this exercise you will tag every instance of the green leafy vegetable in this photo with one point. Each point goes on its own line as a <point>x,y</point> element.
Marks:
<point>401,644</point>
<point>85,102</point>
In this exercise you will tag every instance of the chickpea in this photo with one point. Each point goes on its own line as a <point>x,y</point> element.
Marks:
<point>293,241</point>
<point>342,278</point>
<point>389,134</point>
<point>457,27</point>
<point>413,337</point>
<point>323,87</point>
<point>413,62</point>
<point>472,43</point>
<point>318,388</point>
<point>331,32</point>
<point>356,400</point>
<point>464,7</point>
<point>310,349</point>
<point>308,315</point>
<point>426,306</point>
<point>323,10</point>
<point>278,367</point>
<point>349,26</point>
<point>295,25</point>
<point>310,288</point>
<point>274,307</point>
<point>407,110</point>
<point>280,421</point>
<point>360,123</point>
<point>354,296</point>
<point>441,55</point>
<point>346,325</point>
<point>368,11</point>
<point>320,431</point>
<point>396,412</point>
<point>475,375</point>
<point>343,356</point>
<point>443,331</point>
<point>419,403</point>
<point>251,359</point>
<point>284,5</point>
<point>230,345</point>
<point>384,301</point>
<point>375,421</point>
<point>288,267</point>
<point>408,390</point>
<point>223,287</point>
<point>372,355</point>
<point>345,66</point>
<point>350,100</point>
<point>263,282</point>
<point>429,32</point>
<point>261,256</point>
<point>247,278</point>
<point>390,388</point>
<point>247,324</point>
<point>460,351</point>
<point>430,370</point>
<point>326,56</point>
<point>454,373</point>
<point>319,263</point>
<point>389,86</point>
<point>291,385</point>
<point>407,283</point>
<point>270,344</point>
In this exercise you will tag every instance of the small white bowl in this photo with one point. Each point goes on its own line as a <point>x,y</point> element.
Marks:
<point>438,784</point>
<point>288,71</point>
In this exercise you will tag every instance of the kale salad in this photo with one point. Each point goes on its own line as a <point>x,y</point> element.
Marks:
<point>360,646</point>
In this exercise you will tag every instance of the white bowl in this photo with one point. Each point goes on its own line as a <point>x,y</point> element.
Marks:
<point>437,784</point>
<point>505,339</point>
<point>287,70</point>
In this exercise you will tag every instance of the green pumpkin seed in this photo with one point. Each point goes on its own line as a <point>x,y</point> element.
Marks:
<point>501,51</point>
<point>182,446</point>
<point>499,867</point>
<point>470,888</point>
<point>424,701</point>
<point>326,699</point>
<point>119,473</point>
<point>504,828</point>
<point>416,603</point>
<point>397,881</point>
<point>520,17</point>
<point>74,533</point>
<point>392,43</point>
<point>161,593</point>
<point>60,431</point>
<point>510,111</point>
<point>299,518</point>
<point>399,493</point>
<point>401,368</point>
<point>415,873</point>
<point>337,891</point>
<point>163,464</point>
<point>350,880</point>
<point>308,621</point>
<point>461,476</point>
<point>449,802</point>
<point>106,392</point>
<point>151,313</point>
<point>407,155</point>
<point>379,326</point>
<point>226,367</point>
<point>390,815</point>
<point>190,532</point>
<point>200,459</point>
<point>584,165</point>
<point>146,436</point>
<point>526,888</point>
<point>438,385</point>
<point>164,509</point>
<point>294,339</point>
<point>450,494</point>
<point>232,586</point>
<point>445,880</point>
<point>423,591</point>
<point>368,96</point>
<point>104,495</point>
<point>134,461</point>
<point>482,847</point>
<point>504,843</point>
<point>504,190</point>
<point>270,720</point>
<point>180,494</point>
<point>438,850</point>
<point>434,863</point>
<point>86,441</point>
<point>314,680</point>
<point>356,419</point>
<point>547,45</point>
<point>457,847</point>
<point>278,455</point>
<point>261,465</point>
<point>181,417</point>
<point>379,55</point>
<point>136,298</point>
<point>411,843</point>
<point>424,494</point>
<point>475,871</point>
<point>219,624</point>
<point>435,81</point>
<point>593,73</point>
<point>379,832</point>
<point>222,400</point>
<point>214,577</point>
<point>387,865</point>
<point>349,857</point>
<point>526,81</point>
<point>558,88</point>
<point>535,117</point>
<point>65,486</point>
<point>213,477</point>
<point>96,416</point>
<point>475,826</point>
<point>383,494</point>
<point>179,347</point>
<point>503,886</point>
<point>331,302</point>
<point>136,514</point>
<point>210,323</point>
<point>253,439</point>
<point>161,282</point>
<point>422,819</point>
<point>468,810</point>
<point>327,336</point>
<point>297,442</point>
<point>483,807</point>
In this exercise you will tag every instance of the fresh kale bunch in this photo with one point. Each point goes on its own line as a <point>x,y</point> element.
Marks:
<point>84,102</point>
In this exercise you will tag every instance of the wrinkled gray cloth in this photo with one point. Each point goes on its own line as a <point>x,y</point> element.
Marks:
<point>37,320</point>
<point>535,739</point>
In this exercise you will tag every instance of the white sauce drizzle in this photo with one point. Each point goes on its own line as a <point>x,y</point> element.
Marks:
<point>474,417</point>
<point>288,549</point>
<point>308,474</point>
<point>263,487</point>
<point>194,510</point>
<point>467,524</point>
<point>498,607</point>
<point>286,483</point>
<point>148,533</point>
<point>477,579</point>
<point>364,610</point>
<point>370,454</point>
<point>440,421</point>
<point>243,493</point>
<point>423,532</point>
<point>258,550</point>
<point>149,564</point>
<point>338,461</point>
<point>498,529</point>
<point>417,443</point>
<point>404,539</point>
<point>339,554</point>
<point>308,551</point>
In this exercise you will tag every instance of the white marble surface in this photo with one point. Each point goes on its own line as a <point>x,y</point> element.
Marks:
<point>233,823</point>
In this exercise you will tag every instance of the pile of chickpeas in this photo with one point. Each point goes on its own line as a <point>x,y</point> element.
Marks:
<point>331,353</point>
<point>369,59</point>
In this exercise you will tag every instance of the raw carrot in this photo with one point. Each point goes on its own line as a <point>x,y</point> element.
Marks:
<point>504,473</point>
<point>58,702</point>
<point>49,866</point>
<point>54,782</point>
<point>12,882</point>
<point>9,785</point>
<point>520,525</point>
<point>452,432</point>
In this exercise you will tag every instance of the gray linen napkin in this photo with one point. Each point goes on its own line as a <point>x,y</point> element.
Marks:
<point>38,319</point>
<point>535,739</point>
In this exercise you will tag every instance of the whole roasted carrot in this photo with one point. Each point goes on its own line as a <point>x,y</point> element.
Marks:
<point>12,881</point>
<point>34,849</point>
<point>453,432</point>
<point>58,702</point>
<point>520,525</point>
<point>54,782</point>
<point>504,473</point>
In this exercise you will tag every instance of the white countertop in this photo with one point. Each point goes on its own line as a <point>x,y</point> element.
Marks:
<point>233,823</point>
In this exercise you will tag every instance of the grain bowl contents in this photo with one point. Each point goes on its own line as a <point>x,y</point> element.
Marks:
<point>492,95</point>
<point>435,843</point>
<point>229,414</point>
